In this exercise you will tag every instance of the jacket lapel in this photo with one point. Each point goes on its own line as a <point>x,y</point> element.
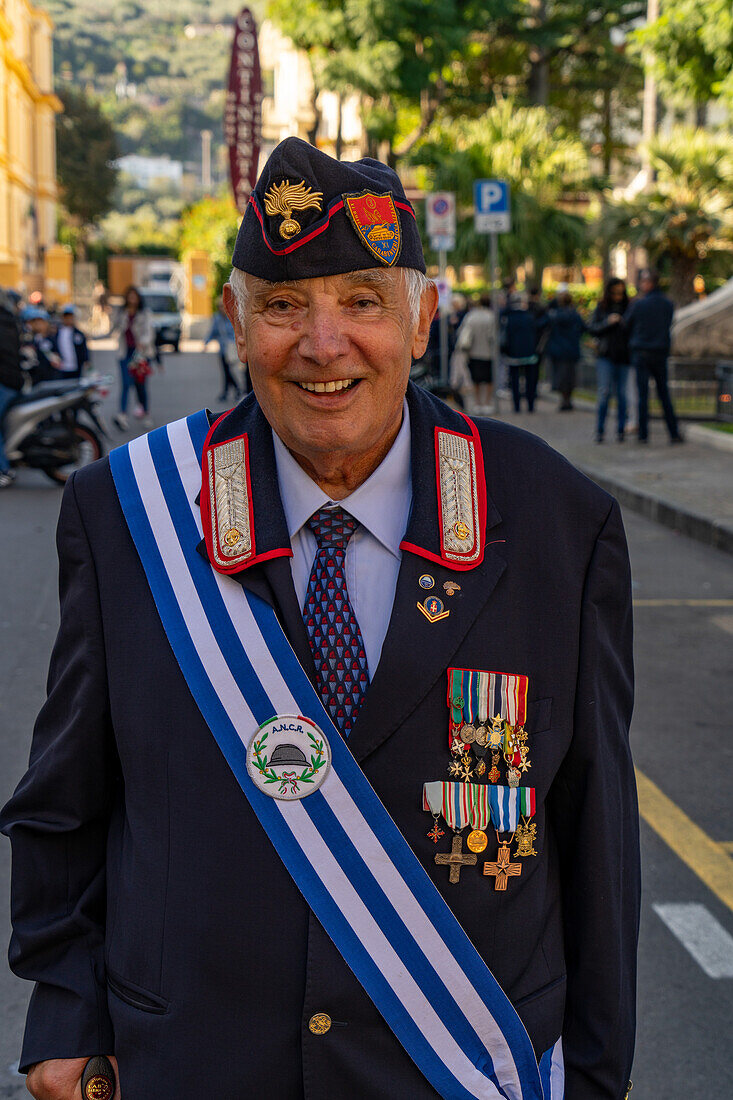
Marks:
<point>269,575</point>
<point>416,652</point>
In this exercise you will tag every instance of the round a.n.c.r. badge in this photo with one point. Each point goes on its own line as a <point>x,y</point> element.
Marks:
<point>288,757</point>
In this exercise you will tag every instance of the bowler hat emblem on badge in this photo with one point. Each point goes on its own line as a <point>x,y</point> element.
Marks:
<point>283,198</point>
<point>377,224</point>
<point>288,757</point>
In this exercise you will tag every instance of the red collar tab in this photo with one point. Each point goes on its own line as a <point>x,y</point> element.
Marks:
<point>461,498</point>
<point>227,505</point>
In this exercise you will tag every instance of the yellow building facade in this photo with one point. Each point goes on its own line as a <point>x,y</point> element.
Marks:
<point>28,109</point>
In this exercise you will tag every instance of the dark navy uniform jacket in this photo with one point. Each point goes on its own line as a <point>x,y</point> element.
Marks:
<point>150,906</point>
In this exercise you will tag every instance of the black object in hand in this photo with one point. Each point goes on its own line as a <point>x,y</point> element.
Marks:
<point>98,1079</point>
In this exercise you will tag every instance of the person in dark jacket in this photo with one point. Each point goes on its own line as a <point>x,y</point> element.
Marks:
<point>612,362</point>
<point>563,346</point>
<point>520,330</point>
<point>648,325</point>
<point>11,376</point>
<point>71,343</point>
<point>45,348</point>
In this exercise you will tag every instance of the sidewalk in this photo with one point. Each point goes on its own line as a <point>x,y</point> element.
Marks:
<point>688,488</point>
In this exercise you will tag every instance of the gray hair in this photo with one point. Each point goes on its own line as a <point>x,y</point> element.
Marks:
<point>414,282</point>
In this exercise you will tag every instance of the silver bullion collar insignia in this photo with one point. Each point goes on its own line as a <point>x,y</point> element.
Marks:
<point>459,501</point>
<point>230,504</point>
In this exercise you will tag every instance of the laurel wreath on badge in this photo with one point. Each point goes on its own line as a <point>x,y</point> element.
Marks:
<point>318,759</point>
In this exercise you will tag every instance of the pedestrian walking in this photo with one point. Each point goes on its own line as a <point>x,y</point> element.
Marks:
<point>72,344</point>
<point>612,355</point>
<point>648,325</point>
<point>563,346</point>
<point>520,330</point>
<point>11,376</point>
<point>459,309</point>
<point>222,331</point>
<point>135,349</point>
<point>477,338</point>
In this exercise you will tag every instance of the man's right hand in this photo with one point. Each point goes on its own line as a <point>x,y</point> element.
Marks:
<point>60,1079</point>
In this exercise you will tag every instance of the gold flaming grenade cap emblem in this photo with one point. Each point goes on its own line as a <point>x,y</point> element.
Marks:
<point>283,198</point>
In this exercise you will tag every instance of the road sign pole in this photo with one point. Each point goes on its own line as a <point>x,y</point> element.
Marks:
<point>493,264</point>
<point>443,325</point>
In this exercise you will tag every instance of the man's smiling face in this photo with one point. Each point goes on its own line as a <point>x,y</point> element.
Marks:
<point>329,360</point>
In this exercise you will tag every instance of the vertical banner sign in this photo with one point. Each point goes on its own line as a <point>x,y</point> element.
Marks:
<point>242,114</point>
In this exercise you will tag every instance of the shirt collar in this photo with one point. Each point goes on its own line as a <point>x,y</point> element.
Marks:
<point>391,481</point>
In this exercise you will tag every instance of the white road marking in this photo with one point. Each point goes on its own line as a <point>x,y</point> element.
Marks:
<point>725,622</point>
<point>698,931</point>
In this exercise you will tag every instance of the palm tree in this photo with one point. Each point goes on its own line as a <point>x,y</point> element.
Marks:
<point>686,217</point>
<point>542,164</point>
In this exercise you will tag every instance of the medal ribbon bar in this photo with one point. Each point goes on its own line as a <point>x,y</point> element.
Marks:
<point>461,804</point>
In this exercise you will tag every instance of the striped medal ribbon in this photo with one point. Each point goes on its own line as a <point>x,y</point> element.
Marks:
<point>508,804</point>
<point>353,866</point>
<point>461,804</point>
<point>475,697</point>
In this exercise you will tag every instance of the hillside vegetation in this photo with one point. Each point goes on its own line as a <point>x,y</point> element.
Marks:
<point>159,70</point>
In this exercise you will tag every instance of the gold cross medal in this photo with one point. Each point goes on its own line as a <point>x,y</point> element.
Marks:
<point>507,806</point>
<point>502,868</point>
<point>461,805</point>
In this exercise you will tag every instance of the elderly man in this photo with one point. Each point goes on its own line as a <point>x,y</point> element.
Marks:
<point>332,794</point>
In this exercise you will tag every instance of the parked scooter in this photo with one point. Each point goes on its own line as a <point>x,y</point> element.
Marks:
<point>55,426</point>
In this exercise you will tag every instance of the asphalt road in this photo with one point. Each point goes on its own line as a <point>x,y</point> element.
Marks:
<point>681,738</point>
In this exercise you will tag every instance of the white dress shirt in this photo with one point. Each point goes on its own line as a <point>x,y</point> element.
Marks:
<point>67,351</point>
<point>382,507</point>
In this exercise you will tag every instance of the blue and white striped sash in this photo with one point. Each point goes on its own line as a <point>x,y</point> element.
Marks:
<point>346,855</point>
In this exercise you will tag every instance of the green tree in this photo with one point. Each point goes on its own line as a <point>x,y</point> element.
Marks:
<point>687,217</point>
<point>211,224</point>
<point>395,53</point>
<point>691,50</point>
<point>142,231</point>
<point>86,148</point>
<point>543,165</point>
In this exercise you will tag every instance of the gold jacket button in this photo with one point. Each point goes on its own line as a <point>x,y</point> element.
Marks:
<point>320,1023</point>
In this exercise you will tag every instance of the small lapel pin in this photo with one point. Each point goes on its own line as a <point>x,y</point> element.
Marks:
<point>451,587</point>
<point>433,609</point>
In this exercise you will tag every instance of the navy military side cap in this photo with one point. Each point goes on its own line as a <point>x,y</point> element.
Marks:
<point>311,215</point>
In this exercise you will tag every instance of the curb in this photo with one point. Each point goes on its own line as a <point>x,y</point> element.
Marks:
<point>719,441</point>
<point>695,526</point>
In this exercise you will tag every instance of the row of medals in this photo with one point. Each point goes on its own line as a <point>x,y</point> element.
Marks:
<point>483,739</point>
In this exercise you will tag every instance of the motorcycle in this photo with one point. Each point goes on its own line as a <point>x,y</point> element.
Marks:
<point>55,426</point>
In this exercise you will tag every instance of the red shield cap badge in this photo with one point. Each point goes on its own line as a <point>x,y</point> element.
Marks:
<point>377,224</point>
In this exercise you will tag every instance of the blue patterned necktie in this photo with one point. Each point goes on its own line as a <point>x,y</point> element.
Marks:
<point>333,630</point>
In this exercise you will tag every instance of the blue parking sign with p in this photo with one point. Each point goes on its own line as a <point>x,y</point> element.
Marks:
<point>491,196</point>
<point>491,206</point>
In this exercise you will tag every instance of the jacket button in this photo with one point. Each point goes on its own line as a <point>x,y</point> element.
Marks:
<point>320,1023</point>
